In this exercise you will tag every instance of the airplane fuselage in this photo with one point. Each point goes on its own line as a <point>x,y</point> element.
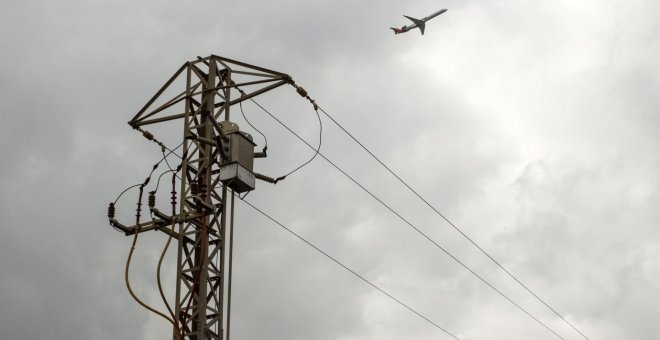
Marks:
<point>425,19</point>
<point>417,23</point>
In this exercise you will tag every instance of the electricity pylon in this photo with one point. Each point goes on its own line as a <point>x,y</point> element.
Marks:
<point>217,158</point>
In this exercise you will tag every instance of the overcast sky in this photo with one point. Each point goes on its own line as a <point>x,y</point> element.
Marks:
<point>533,125</point>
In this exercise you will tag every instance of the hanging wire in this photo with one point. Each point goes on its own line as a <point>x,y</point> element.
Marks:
<point>417,229</point>
<point>153,168</point>
<point>459,230</point>
<point>349,269</point>
<point>161,175</point>
<point>125,190</point>
<point>240,105</point>
<point>316,151</point>
<point>162,254</point>
<point>130,257</point>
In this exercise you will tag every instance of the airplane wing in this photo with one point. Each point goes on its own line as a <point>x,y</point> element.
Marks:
<point>417,21</point>
<point>420,23</point>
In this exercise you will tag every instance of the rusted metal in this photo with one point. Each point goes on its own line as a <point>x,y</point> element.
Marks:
<point>200,223</point>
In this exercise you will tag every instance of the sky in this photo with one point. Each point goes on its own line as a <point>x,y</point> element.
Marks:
<point>533,126</point>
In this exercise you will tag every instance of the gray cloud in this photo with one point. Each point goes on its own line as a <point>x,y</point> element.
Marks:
<point>532,126</point>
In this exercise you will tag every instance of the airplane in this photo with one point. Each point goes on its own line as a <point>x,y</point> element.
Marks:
<point>419,23</point>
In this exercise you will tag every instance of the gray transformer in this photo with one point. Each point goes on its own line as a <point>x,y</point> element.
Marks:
<point>237,158</point>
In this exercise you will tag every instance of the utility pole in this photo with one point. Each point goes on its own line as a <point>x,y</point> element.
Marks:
<point>217,161</point>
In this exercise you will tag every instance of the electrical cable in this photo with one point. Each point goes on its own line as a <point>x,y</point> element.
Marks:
<point>168,163</point>
<point>125,190</point>
<point>240,105</point>
<point>137,232</point>
<point>130,256</point>
<point>154,167</point>
<point>350,270</point>
<point>317,150</point>
<point>416,229</point>
<point>165,248</point>
<point>459,230</point>
<point>161,175</point>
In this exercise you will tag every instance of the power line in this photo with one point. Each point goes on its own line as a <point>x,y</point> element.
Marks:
<point>317,150</point>
<point>450,223</point>
<point>349,269</point>
<point>240,105</point>
<point>414,227</point>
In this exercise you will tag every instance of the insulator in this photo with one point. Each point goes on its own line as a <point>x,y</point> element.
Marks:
<point>152,199</point>
<point>173,197</point>
<point>301,91</point>
<point>111,211</point>
<point>147,135</point>
<point>194,188</point>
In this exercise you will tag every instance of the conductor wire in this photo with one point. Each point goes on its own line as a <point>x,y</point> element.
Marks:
<point>459,230</point>
<point>317,150</point>
<point>130,256</point>
<point>240,105</point>
<point>418,230</point>
<point>165,248</point>
<point>350,270</point>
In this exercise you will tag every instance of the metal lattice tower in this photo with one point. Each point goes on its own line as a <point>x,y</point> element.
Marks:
<point>212,86</point>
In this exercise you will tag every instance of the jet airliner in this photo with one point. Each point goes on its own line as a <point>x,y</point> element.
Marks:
<point>417,23</point>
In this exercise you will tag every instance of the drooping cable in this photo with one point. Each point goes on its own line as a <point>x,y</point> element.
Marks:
<point>137,226</point>
<point>153,168</point>
<point>351,270</point>
<point>165,248</point>
<point>168,163</point>
<point>459,230</point>
<point>161,175</point>
<point>416,229</point>
<point>240,105</point>
<point>130,256</point>
<point>125,190</point>
<point>317,150</point>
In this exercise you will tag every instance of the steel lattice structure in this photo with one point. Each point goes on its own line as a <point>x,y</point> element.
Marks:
<point>212,86</point>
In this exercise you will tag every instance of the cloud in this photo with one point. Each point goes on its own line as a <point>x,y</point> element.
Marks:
<point>531,126</point>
